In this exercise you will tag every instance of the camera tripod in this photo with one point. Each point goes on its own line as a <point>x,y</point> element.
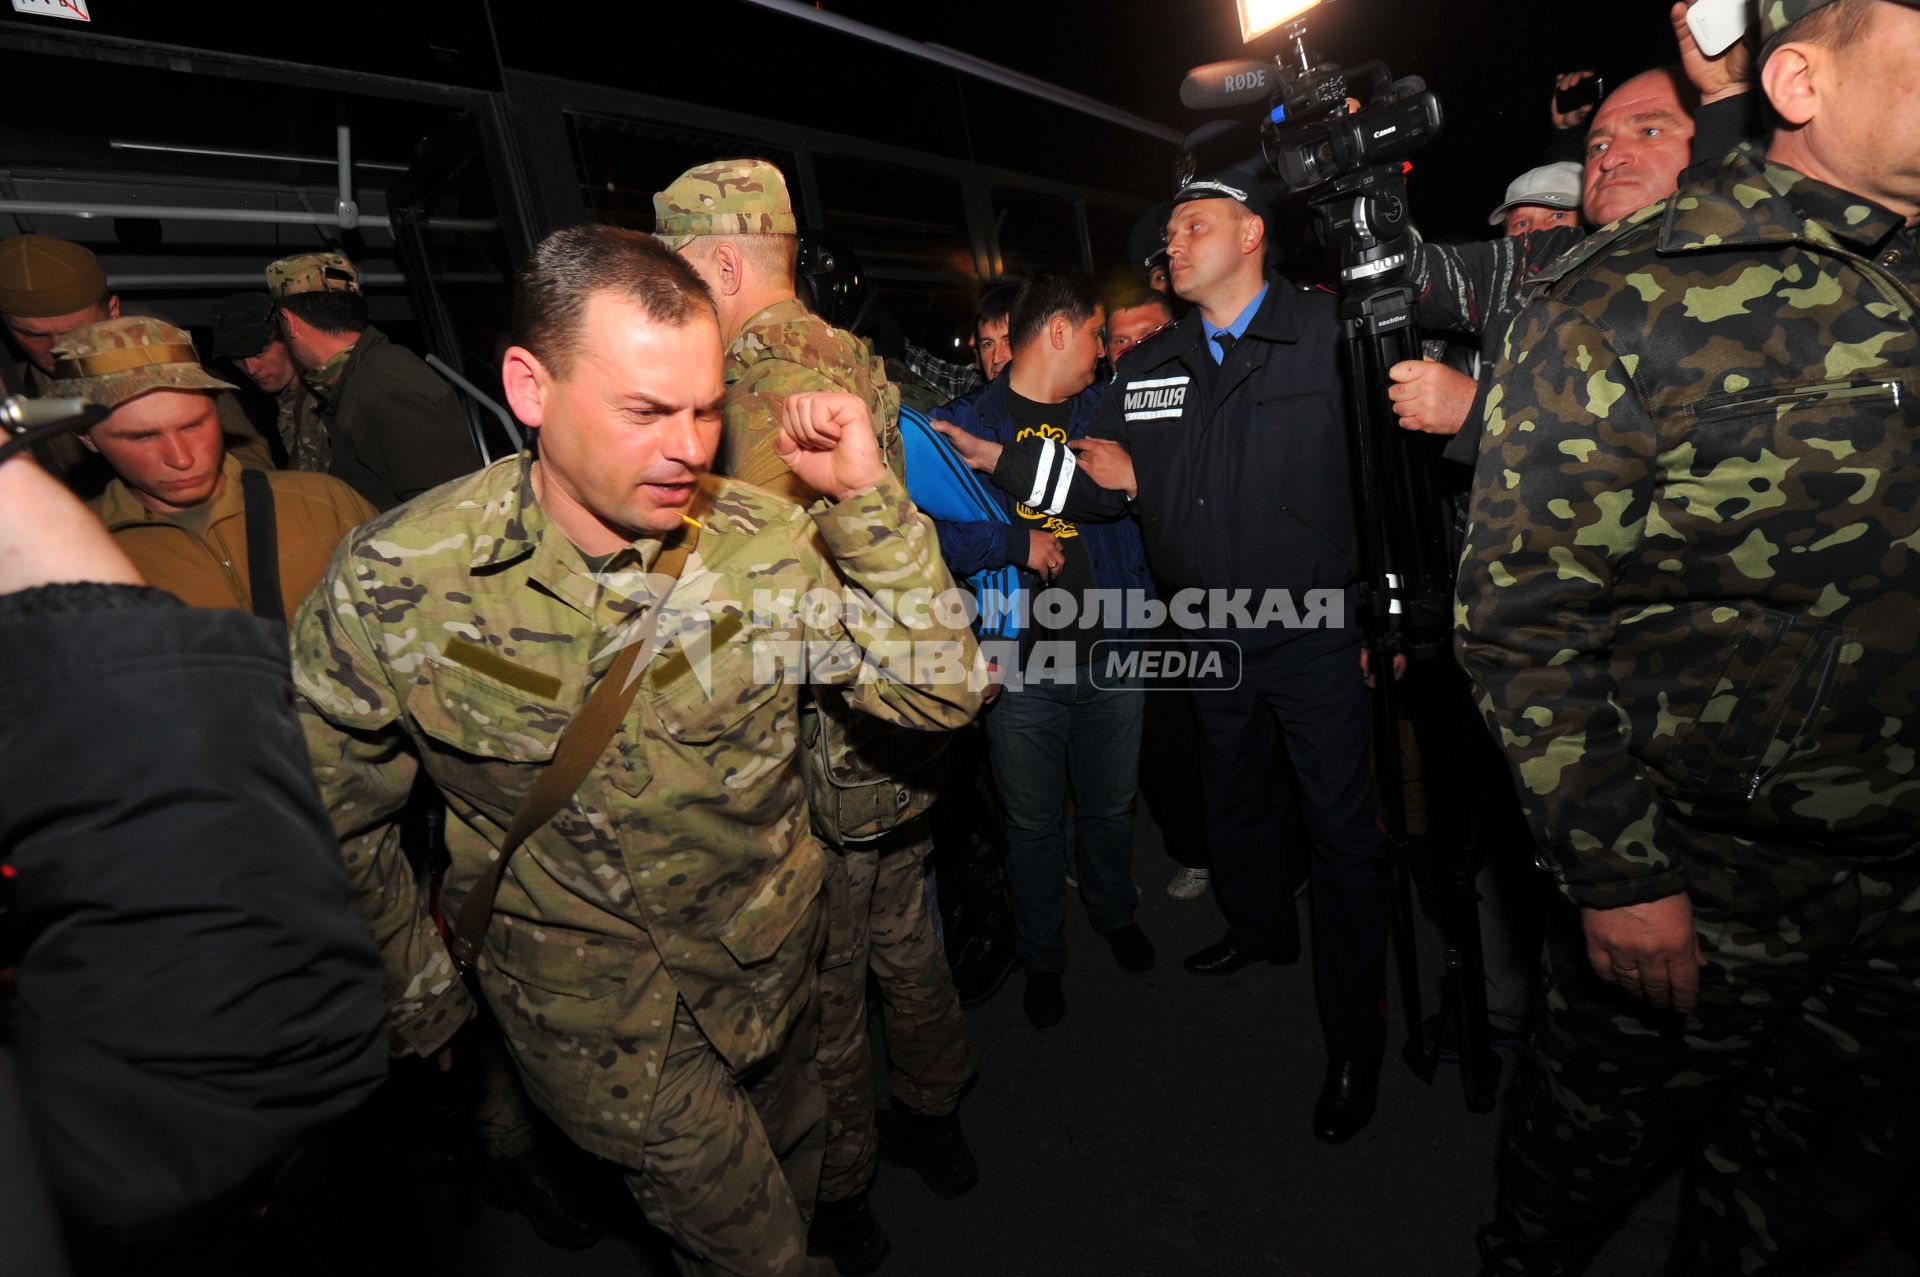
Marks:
<point>1409,561</point>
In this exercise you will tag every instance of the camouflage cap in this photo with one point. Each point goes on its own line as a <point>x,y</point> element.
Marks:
<point>242,325</point>
<point>42,276</point>
<point>726,197</point>
<point>115,360</point>
<point>1777,15</point>
<point>312,273</point>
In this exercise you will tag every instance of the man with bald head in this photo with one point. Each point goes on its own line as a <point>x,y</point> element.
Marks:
<point>1687,602</point>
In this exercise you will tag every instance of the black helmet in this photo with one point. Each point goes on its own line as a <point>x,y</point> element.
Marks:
<point>830,280</point>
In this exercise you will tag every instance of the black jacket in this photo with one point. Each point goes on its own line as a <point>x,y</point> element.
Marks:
<point>196,990</point>
<point>396,426</point>
<point>1241,468</point>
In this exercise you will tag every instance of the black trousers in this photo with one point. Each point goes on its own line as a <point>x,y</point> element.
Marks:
<point>1170,776</point>
<point>1305,694</point>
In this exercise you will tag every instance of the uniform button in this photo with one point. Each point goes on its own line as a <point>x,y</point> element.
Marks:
<point>1890,258</point>
<point>1200,501</point>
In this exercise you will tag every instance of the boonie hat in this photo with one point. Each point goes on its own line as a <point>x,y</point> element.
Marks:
<point>726,197</point>
<point>242,325</point>
<point>42,276</point>
<point>312,273</point>
<point>115,360</point>
<point>1549,186</point>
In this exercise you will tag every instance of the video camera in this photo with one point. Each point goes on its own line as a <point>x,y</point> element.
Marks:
<point>1341,159</point>
<point>1309,135</point>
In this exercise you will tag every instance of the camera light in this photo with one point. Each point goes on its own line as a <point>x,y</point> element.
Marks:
<point>1257,17</point>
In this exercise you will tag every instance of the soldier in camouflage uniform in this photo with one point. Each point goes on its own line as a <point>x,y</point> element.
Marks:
<point>652,952</point>
<point>50,288</point>
<point>246,332</point>
<point>870,785</point>
<point>386,423</point>
<point>1688,600</point>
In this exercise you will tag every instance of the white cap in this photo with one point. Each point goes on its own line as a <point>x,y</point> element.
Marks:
<point>1549,186</point>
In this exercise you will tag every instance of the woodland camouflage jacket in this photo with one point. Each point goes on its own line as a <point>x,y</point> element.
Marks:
<point>1690,595</point>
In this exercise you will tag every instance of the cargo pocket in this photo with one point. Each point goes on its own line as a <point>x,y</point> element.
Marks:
<point>1779,671</point>
<point>556,993</point>
<point>784,895</point>
<point>487,738</point>
<point>701,695</point>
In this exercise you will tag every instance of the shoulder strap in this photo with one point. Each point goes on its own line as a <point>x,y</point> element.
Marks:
<point>263,547</point>
<point>581,745</point>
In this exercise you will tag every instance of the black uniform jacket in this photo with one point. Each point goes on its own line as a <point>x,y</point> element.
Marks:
<point>1241,468</point>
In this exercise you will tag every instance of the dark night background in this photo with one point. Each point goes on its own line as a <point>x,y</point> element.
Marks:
<point>1491,61</point>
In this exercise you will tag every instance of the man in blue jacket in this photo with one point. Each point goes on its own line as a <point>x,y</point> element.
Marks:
<point>1053,725</point>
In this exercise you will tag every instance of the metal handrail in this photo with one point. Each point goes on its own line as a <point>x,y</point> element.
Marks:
<point>191,213</point>
<point>507,421</point>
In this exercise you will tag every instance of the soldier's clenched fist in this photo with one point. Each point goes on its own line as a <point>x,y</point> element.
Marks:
<point>826,438</point>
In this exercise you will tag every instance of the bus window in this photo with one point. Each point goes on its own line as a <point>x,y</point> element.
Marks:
<point>622,163</point>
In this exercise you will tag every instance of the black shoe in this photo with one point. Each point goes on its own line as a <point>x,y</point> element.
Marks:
<point>1045,1005</point>
<point>933,1146</point>
<point>1226,957</point>
<point>1131,948</point>
<point>1346,1101</point>
<point>542,1187</point>
<point>847,1233</point>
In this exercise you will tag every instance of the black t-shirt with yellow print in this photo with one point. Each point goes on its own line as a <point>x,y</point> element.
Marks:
<point>1032,420</point>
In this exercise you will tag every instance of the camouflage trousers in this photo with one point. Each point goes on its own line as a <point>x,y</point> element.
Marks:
<point>733,1164</point>
<point>929,1060</point>
<point>504,1119</point>
<point>1793,1083</point>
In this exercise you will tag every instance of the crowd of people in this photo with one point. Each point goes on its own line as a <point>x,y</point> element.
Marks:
<point>630,747</point>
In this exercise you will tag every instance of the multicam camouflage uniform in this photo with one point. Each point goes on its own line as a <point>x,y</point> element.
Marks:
<point>1689,601</point>
<point>303,431</point>
<point>783,351</point>
<point>870,784</point>
<point>652,950</point>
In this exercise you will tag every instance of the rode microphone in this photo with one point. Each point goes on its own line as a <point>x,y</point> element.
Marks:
<point>1237,82</point>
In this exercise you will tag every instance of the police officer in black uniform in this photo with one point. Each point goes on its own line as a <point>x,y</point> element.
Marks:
<point>1225,434</point>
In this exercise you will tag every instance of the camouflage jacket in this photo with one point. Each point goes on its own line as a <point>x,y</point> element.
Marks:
<point>461,635</point>
<point>1691,581</point>
<point>303,432</point>
<point>784,350</point>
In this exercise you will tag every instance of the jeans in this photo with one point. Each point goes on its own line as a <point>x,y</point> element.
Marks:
<point>1045,737</point>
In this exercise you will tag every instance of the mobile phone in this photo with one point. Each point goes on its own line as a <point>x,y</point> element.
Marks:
<point>1586,93</point>
<point>1717,25</point>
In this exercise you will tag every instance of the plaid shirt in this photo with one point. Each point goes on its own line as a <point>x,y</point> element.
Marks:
<point>951,380</point>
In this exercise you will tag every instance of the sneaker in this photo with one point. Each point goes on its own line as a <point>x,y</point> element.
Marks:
<point>1188,884</point>
<point>1044,1003</point>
